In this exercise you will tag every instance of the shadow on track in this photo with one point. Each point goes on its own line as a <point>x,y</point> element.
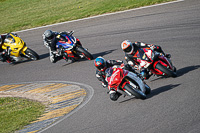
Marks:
<point>46,55</point>
<point>94,56</point>
<point>20,62</point>
<point>43,56</point>
<point>181,71</point>
<point>71,62</point>
<point>187,69</point>
<point>155,92</point>
<point>133,98</point>
<point>103,53</point>
<point>161,90</point>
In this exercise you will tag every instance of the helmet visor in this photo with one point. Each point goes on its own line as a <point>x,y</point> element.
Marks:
<point>50,37</point>
<point>128,49</point>
<point>101,67</point>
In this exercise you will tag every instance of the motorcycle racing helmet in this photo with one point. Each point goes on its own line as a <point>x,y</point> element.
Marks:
<point>49,35</point>
<point>100,63</point>
<point>127,46</point>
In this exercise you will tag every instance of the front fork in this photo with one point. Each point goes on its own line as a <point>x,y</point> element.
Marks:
<point>23,51</point>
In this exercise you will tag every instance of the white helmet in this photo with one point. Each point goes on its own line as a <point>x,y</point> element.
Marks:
<point>49,35</point>
<point>127,46</point>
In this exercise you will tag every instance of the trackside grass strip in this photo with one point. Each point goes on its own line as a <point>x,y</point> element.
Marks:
<point>15,113</point>
<point>24,14</point>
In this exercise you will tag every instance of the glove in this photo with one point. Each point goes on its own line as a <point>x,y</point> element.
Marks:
<point>122,65</point>
<point>104,85</point>
<point>119,61</point>
<point>152,47</point>
<point>130,63</point>
<point>136,67</point>
<point>46,44</point>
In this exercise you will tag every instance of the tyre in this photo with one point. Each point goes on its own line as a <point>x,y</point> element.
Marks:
<point>30,54</point>
<point>168,72</point>
<point>135,91</point>
<point>148,89</point>
<point>84,52</point>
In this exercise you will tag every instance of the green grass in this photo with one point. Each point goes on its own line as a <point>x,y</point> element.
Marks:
<point>24,14</point>
<point>15,113</point>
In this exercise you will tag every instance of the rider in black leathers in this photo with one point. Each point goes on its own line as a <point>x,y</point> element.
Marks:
<point>50,38</point>
<point>131,50</point>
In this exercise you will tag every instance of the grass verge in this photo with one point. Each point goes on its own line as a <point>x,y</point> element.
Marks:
<point>15,113</point>
<point>24,14</point>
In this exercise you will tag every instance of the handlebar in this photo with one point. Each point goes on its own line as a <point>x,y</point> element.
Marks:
<point>71,32</point>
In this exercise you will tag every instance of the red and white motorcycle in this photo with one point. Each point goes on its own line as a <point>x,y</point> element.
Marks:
<point>155,62</point>
<point>126,82</point>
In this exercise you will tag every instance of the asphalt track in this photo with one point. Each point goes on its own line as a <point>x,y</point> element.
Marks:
<point>173,105</point>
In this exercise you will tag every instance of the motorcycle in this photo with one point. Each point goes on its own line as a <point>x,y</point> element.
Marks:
<point>15,49</point>
<point>71,47</point>
<point>126,82</point>
<point>156,63</point>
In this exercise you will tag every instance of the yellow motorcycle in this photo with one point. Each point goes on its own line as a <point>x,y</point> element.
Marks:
<point>16,50</point>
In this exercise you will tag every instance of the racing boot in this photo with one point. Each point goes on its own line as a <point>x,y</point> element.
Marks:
<point>2,57</point>
<point>53,56</point>
<point>65,57</point>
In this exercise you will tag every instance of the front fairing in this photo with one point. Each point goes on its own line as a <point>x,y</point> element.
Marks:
<point>16,44</point>
<point>146,54</point>
<point>66,42</point>
<point>145,57</point>
<point>163,61</point>
<point>114,77</point>
<point>134,77</point>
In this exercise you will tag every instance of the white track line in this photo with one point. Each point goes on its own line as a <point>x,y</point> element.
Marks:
<point>102,15</point>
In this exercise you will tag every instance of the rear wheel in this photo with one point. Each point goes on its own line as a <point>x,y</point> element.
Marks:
<point>85,53</point>
<point>30,54</point>
<point>168,72</point>
<point>135,91</point>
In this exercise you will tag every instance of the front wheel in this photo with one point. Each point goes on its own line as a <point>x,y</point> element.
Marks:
<point>30,54</point>
<point>168,72</point>
<point>135,91</point>
<point>85,53</point>
<point>147,88</point>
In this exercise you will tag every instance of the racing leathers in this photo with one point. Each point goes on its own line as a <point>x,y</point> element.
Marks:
<point>131,58</point>
<point>4,53</point>
<point>55,54</point>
